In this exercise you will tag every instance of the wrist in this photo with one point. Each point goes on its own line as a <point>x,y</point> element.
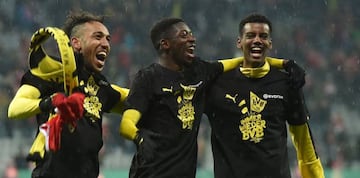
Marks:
<point>45,104</point>
<point>288,63</point>
<point>138,139</point>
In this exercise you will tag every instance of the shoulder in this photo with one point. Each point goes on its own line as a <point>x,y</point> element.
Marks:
<point>198,62</point>
<point>209,66</point>
<point>29,78</point>
<point>280,73</point>
<point>148,71</point>
<point>44,86</point>
<point>146,75</point>
<point>278,78</point>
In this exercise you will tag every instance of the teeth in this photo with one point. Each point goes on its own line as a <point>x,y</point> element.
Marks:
<point>102,53</point>
<point>256,49</point>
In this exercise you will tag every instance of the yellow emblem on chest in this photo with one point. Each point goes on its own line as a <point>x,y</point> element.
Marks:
<point>92,104</point>
<point>186,111</point>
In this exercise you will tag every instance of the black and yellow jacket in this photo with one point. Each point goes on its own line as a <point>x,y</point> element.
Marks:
<point>79,147</point>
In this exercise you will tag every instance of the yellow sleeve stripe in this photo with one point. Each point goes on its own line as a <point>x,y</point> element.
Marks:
<point>230,64</point>
<point>275,62</point>
<point>128,123</point>
<point>120,106</point>
<point>25,103</point>
<point>303,143</point>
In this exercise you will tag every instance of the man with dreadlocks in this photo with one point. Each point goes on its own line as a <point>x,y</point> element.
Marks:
<point>69,115</point>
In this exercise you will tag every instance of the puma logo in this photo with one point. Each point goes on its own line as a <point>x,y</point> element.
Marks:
<point>232,98</point>
<point>167,89</point>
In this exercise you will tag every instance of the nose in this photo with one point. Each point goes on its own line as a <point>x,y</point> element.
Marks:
<point>257,39</point>
<point>105,43</point>
<point>191,38</point>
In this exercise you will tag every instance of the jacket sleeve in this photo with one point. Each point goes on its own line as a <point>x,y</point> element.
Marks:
<point>275,62</point>
<point>120,106</point>
<point>308,160</point>
<point>25,103</point>
<point>128,123</point>
<point>229,64</point>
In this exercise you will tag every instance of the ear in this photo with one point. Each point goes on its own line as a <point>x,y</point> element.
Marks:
<point>238,42</point>
<point>76,44</point>
<point>164,44</point>
<point>270,43</point>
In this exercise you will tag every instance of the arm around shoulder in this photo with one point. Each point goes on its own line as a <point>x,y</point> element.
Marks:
<point>232,63</point>
<point>275,62</point>
<point>124,92</point>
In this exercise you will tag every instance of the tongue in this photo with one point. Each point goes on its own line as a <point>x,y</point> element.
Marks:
<point>101,56</point>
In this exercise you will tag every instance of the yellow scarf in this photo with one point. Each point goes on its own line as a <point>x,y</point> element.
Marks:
<point>49,69</point>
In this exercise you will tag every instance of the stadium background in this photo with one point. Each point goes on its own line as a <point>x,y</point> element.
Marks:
<point>321,35</point>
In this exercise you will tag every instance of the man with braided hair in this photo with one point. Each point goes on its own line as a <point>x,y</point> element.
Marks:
<point>166,102</point>
<point>249,108</point>
<point>68,98</point>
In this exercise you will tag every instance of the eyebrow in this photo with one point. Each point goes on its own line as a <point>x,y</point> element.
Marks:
<point>100,33</point>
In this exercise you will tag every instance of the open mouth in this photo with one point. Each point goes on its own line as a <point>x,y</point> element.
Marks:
<point>101,56</point>
<point>256,52</point>
<point>190,51</point>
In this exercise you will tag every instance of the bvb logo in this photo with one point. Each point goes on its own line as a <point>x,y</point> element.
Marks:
<point>252,127</point>
<point>186,111</point>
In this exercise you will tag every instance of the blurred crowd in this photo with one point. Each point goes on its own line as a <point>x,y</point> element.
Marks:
<point>322,36</point>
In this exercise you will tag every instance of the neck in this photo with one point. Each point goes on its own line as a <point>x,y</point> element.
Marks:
<point>248,64</point>
<point>168,62</point>
<point>256,72</point>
